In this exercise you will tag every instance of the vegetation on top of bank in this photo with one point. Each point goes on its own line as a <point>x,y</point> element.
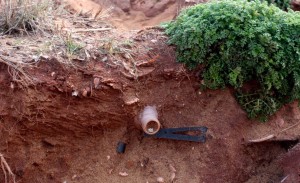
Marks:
<point>238,42</point>
<point>282,4</point>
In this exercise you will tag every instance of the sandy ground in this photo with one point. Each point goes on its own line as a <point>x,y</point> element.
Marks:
<point>140,14</point>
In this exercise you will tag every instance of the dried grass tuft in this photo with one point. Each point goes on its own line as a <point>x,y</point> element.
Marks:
<point>24,16</point>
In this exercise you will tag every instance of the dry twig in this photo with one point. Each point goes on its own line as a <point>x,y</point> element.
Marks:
<point>87,30</point>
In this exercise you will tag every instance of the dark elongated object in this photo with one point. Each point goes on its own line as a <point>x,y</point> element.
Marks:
<point>121,147</point>
<point>174,134</point>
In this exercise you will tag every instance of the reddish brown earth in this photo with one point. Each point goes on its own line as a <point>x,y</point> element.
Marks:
<point>48,135</point>
<point>296,5</point>
<point>291,164</point>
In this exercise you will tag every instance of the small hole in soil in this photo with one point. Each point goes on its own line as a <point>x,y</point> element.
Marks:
<point>288,144</point>
<point>19,173</point>
<point>152,126</point>
<point>47,144</point>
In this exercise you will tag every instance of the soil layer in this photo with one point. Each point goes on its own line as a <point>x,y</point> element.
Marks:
<point>66,126</point>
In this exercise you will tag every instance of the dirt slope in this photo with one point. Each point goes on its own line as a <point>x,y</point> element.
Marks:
<point>65,127</point>
<point>48,135</point>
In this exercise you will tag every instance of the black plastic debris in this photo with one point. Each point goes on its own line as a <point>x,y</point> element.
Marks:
<point>121,147</point>
<point>174,134</point>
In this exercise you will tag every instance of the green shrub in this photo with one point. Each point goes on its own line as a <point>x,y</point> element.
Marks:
<point>237,42</point>
<point>282,4</point>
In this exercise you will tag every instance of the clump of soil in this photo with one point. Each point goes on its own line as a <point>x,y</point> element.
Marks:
<point>296,5</point>
<point>65,127</point>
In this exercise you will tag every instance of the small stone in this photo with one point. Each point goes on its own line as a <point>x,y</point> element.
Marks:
<point>52,74</point>
<point>44,57</point>
<point>84,92</point>
<point>153,40</point>
<point>129,100</point>
<point>123,174</point>
<point>151,130</point>
<point>96,82</point>
<point>12,85</point>
<point>104,59</point>
<point>35,58</point>
<point>75,93</point>
<point>160,179</point>
<point>74,177</point>
<point>108,157</point>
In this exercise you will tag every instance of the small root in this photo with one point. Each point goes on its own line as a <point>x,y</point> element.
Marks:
<point>8,174</point>
<point>272,135</point>
<point>262,139</point>
<point>17,72</point>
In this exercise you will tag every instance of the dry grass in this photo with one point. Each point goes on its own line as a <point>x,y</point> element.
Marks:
<point>54,21</point>
<point>17,72</point>
<point>24,16</point>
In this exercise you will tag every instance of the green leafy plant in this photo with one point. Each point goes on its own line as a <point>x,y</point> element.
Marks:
<point>238,42</point>
<point>71,46</point>
<point>282,4</point>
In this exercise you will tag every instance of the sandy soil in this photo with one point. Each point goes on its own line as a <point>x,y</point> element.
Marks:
<point>48,135</point>
<point>132,14</point>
